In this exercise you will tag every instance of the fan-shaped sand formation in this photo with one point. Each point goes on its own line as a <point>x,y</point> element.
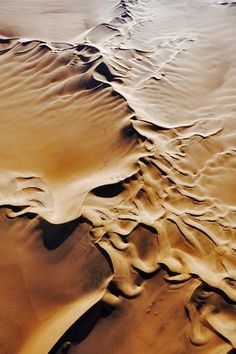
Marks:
<point>117,177</point>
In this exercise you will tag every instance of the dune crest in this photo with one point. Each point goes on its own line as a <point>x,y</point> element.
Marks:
<point>117,179</point>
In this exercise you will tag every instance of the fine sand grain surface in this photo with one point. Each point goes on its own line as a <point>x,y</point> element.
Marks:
<point>117,177</point>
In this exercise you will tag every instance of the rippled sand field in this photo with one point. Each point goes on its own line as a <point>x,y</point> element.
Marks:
<point>117,177</point>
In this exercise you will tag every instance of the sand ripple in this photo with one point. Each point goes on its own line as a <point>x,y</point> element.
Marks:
<point>117,178</point>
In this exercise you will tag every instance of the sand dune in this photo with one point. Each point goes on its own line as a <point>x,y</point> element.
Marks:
<point>117,177</point>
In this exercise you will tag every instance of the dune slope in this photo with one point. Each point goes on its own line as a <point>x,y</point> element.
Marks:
<point>117,177</point>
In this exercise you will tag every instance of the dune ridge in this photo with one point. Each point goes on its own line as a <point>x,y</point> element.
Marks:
<point>126,131</point>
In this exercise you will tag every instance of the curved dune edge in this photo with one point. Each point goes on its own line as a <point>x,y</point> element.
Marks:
<point>130,125</point>
<point>40,340</point>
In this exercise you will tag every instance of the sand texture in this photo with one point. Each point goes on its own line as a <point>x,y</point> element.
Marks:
<point>118,177</point>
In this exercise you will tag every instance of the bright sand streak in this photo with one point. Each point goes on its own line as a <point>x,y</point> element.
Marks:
<point>122,113</point>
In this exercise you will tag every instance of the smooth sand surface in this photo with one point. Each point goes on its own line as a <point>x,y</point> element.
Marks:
<point>117,177</point>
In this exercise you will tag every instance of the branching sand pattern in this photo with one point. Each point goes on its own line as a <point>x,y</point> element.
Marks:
<point>118,157</point>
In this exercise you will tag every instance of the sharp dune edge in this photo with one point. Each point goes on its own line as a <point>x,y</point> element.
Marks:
<point>117,177</point>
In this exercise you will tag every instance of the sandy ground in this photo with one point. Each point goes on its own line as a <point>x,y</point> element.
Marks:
<point>117,177</point>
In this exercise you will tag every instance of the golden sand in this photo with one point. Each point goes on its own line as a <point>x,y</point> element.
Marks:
<point>117,177</point>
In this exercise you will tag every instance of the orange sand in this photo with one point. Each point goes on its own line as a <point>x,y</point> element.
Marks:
<point>117,177</point>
